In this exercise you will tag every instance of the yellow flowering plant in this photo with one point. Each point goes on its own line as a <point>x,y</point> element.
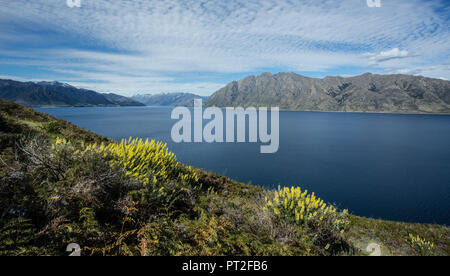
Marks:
<point>421,246</point>
<point>295,205</point>
<point>162,178</point>
<point>148,161</point>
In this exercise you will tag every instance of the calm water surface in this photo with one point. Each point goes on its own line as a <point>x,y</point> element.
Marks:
<point>386,166</point>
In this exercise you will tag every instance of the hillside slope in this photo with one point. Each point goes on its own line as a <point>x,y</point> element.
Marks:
<point>55,94</point>
<point>364,93</point>
<point>61,184</point>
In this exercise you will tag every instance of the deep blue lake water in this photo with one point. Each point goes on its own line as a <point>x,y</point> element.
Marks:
<point>394,167</point>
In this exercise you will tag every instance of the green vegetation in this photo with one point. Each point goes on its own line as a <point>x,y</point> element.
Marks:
<point>324,224</point>
<point>422,246</point>
<point>60,184</point>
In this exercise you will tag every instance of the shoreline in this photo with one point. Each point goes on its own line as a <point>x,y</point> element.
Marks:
<point>281,110</point>
<point>357,112</point>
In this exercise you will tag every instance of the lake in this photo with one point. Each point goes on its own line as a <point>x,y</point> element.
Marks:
<point>388,166</point>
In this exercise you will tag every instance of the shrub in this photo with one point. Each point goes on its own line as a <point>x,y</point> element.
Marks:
<point>164,183</point>
<point>322,222</point>
<point>52,127</point>
<point>421,246</point>
<point>147,161</point>
<point>300,207</point>
<point>16,238</point>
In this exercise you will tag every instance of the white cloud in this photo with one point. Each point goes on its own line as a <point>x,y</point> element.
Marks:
<point>382,56</point>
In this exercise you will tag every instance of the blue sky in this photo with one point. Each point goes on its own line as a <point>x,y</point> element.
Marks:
<point>145,46</point>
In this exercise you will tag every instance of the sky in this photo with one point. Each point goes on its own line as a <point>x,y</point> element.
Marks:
<point>148,47</point>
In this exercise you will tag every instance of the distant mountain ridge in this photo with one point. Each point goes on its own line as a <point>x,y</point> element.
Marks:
<point>364,93</point>
<point>168,99</point>
<point>121,100</point>
<point>56,94</point>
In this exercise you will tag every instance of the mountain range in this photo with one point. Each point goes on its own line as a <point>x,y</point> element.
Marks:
<point>289,91</point>
<point>56,94</point>
<point>364,93</point>
<point>168,99</point>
